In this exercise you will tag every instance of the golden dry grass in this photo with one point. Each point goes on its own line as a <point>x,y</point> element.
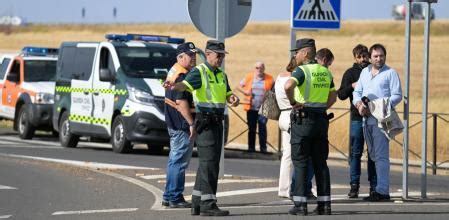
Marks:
<point>269,42</point>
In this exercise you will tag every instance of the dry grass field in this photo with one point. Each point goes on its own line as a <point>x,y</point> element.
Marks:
<point>269,42</point>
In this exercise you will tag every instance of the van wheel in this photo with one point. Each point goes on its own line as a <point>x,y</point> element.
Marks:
<point>155,149</point>
<point>65,137</point>
<point>119,142</point>
<point>25,128</point>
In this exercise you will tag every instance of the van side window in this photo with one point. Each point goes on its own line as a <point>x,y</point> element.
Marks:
<point>4,67</point>
<point>76,63</point>
<point>84,61</point>
<point>106,61</point>
<point>15,70</point>
<point>66,63</point>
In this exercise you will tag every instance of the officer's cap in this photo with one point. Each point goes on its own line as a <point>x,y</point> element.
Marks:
<point>216,46</point>
<point>187,47</point>
<point>303,43</point>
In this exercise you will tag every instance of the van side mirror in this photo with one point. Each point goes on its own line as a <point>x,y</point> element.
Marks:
<point>13,77</point>
<point>106,75</point>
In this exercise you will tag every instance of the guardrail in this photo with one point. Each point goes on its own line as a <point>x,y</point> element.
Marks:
<point>436,117</point>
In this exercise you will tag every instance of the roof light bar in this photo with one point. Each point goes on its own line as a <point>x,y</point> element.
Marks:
<point>39,51</point>
<point>145,38</point>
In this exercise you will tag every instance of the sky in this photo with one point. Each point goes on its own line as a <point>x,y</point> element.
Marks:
<point>175,11</point>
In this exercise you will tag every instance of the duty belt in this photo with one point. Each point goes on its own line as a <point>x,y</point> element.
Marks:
<point>212,117</point>
<point>204,120</point>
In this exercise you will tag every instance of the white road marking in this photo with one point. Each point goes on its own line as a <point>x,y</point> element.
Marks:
<point>5,216</point>
<point>221,181</point>
<point>157,205</point>
<point>161,176</point>
<point>86,164</point>
<point>32,142</point>
<point>94,211</point>
<point>247,191</point>
<point>6,187</point>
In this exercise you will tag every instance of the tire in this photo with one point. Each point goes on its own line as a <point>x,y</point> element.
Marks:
<point>65,137</point>
<point>155,149</point>
<point>24,127</point>
<point>118,138</point>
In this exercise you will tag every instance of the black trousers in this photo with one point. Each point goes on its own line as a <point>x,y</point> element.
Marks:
<point>209,144</point>
<point>309,139</point>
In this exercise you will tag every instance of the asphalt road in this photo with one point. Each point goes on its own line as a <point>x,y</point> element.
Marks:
<point>41,180</point>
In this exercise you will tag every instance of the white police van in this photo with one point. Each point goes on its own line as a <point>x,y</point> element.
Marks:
<point>113,90</point>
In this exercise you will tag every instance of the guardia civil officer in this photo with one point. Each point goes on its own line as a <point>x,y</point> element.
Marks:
<point>210,89</point>
<point>309,125</point>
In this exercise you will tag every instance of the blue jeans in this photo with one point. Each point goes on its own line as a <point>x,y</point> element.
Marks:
<point>379,151</point>
<point>310,174</point>
<point>357,141</point>
<point>178,160</point>
<point>254,118</point>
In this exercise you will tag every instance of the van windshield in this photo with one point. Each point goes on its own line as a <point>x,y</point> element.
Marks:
<point>146,62</point>
<point>40,70</point>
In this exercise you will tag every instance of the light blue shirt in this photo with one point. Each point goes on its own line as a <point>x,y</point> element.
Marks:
<point>386,84</point>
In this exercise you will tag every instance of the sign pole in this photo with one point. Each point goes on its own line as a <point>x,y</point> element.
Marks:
<point>406,101</point>
<point>220,36</point>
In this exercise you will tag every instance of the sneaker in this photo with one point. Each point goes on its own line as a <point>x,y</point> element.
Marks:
<point>377,197</point>
<point>165,203</point>
<point>354,192</point>
<point>214,211</point>
<point>300,209</point>
<point>180,204</point>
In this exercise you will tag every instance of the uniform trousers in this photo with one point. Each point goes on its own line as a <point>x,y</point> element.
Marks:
<point>209,144</point>
<point>309,140</point>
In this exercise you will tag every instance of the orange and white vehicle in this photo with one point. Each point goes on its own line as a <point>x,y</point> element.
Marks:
<point>27,84</point>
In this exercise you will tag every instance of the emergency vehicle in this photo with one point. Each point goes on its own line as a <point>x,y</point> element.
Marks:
<point>27,83</point>
<point>113,90</point>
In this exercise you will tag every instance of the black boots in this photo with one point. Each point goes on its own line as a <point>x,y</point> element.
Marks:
<point>300,208</point>
<point>354,192</point>
<point>214,211</point>
<point>323,208</point>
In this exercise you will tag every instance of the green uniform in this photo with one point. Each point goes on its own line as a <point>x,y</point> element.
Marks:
<point>210,90</point>
<point>309,129</point>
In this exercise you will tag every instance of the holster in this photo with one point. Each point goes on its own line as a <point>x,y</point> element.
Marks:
<point>204,120</point>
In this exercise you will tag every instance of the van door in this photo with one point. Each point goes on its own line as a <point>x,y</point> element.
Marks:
<point>103,95</point>
<point>3,70</point>
<point>81,107</point>
<point>11,89</point>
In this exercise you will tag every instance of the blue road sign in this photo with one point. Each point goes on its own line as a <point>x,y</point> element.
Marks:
<point>316,14</point>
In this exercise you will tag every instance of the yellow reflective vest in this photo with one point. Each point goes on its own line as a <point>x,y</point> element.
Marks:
<point>212,93</point>
<point>314,91</point>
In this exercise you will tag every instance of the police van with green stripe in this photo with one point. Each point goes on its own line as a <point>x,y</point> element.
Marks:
<point>112,90</point>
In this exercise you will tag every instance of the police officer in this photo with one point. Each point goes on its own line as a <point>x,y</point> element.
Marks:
<point>309,125</point>
<point>210,89</point>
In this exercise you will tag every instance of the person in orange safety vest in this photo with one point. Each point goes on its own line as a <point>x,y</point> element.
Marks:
<point>253,87</point>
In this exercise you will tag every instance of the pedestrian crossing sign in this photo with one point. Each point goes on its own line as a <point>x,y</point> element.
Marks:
<point>316,14</point>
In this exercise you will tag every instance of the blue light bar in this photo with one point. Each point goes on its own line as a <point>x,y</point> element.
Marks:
<point>39,51</point>
<point>145,38</point>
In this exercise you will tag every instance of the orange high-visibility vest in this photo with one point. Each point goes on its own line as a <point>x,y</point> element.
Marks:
<point>175,71</point>
<point>268,81</point>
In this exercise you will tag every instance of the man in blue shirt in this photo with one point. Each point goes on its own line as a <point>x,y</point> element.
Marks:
<point>376,81</point>
<point>179,122</point>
